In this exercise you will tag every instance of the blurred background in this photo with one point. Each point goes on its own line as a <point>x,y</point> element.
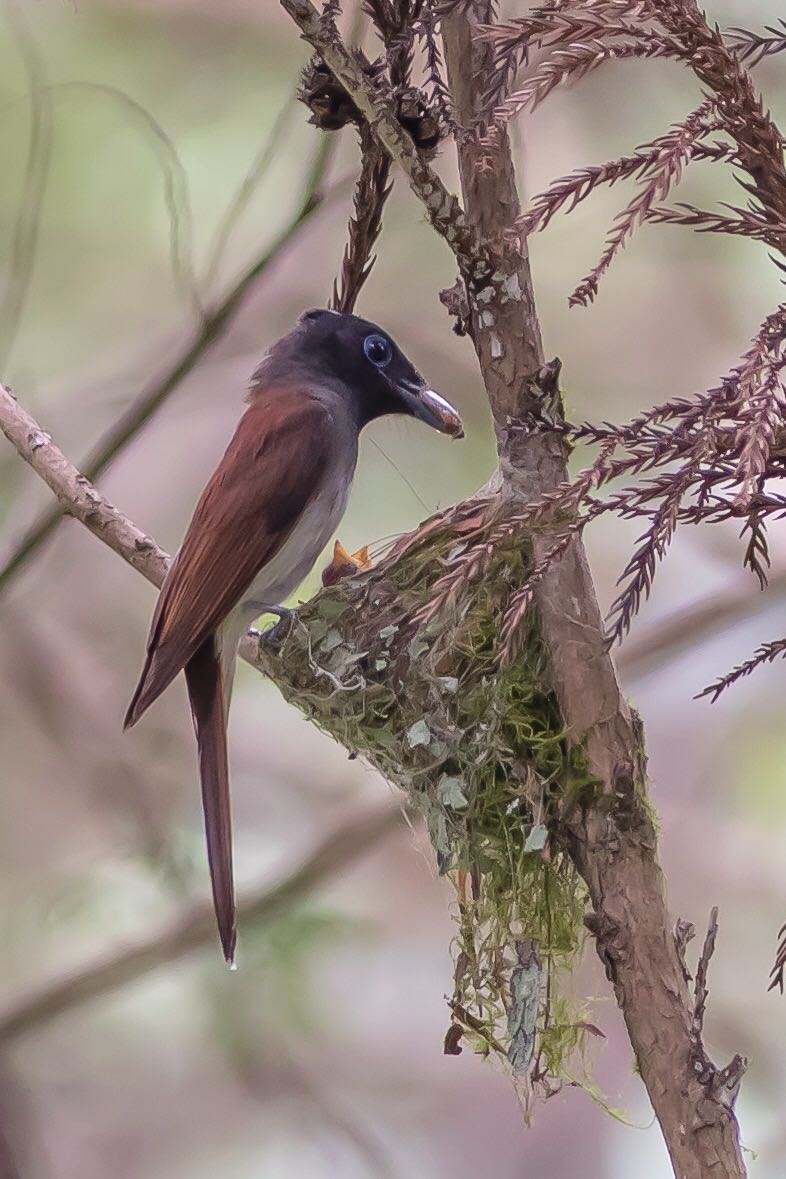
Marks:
<point>323,1055</point>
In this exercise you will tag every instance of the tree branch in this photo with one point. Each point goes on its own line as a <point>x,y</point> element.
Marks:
<point>77,497</point>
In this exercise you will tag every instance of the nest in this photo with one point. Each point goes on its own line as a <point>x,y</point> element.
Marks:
<point>478,746</point>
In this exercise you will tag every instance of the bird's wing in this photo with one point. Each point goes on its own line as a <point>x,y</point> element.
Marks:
<point>271,470</point>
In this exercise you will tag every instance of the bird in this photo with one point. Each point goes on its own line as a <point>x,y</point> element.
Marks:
<point>259,526</point>
<point>345,564</point>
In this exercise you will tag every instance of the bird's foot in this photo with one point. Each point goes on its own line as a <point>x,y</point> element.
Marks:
<point>276,635</point>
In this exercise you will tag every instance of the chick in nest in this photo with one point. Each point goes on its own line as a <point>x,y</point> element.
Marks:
<point>345,564</point>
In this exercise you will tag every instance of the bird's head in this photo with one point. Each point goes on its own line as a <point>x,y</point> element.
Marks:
<point>359,361</point>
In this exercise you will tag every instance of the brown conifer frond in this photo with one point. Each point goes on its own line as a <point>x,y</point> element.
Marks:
<point>398,24</point>
<point>754,47</point>
<point>766,653</point>
<point>434,84</point>
<point>745,224</point>
<point>371,192</point>
<point>779,967</point>
<point>395,22</point>
<point>705,460</point>
<point>757,552</point>
<point>672,153</point>
<point>740,108</point>
<point>574,188</point>
<point>572,61</point>
<point>762,402</point>
<point>563,27</point>
<point>578,35</point>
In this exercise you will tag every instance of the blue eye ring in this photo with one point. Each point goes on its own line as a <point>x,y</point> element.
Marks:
<point>378,350</point>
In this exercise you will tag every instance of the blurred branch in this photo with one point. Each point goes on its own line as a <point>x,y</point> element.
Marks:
<point>237,205</point>
<point>28,216</point>
<point>211,329</point>
<point>686,628</point>
<point>258,167</point>
<point>15,1129</point>
<point>176,195</point>
<point>195,927</point>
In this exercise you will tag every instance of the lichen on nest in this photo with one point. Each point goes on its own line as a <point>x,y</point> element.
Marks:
<point>479,748</point>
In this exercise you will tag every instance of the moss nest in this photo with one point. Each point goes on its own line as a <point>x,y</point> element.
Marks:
<point>478,746</point>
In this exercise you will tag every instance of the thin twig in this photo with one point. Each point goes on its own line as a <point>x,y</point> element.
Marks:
<point>700,990</point>
<point>176,195</point>
<point>79,498</point>
<point>76,495</point>
<point>684,932</point>
<point>245,191</point>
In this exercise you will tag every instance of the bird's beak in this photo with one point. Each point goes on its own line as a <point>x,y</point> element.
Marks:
<point>427,406</point>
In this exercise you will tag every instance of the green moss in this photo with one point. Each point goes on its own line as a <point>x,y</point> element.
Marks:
<point>562,1039</point>
<point>479,748</point>
<point>651,812</point>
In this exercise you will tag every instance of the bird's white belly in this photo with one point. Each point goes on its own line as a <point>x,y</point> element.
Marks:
<point>280,576</point>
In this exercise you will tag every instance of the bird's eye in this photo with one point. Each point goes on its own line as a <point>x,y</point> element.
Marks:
<point>378,350</point>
